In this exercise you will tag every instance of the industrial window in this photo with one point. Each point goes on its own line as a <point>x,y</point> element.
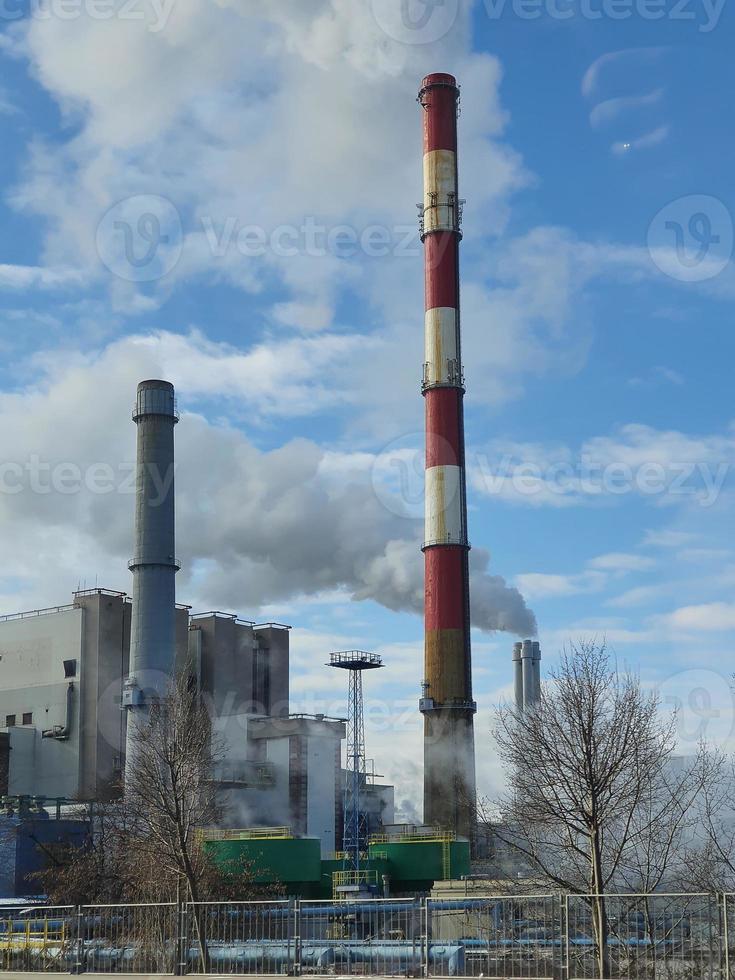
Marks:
<point>9,721</point>
<point>27,717</point>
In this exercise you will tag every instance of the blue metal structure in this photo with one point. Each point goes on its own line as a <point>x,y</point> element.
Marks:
<point>355,821</point>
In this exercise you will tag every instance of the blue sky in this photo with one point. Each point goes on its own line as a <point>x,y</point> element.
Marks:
<point>263,163</point>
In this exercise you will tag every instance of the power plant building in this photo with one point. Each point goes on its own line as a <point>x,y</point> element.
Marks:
<point>63,673</point>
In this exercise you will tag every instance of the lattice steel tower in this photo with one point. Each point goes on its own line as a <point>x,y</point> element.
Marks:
<point>355,820</point>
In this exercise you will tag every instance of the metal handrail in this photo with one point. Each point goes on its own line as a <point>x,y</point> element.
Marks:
<point>32,613</point>
<point>138,561</point>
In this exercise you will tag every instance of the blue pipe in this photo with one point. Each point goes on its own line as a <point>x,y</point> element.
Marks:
<point>399,955</point>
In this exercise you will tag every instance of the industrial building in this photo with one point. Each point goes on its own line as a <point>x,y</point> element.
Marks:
<point>76,680</point>
<point>62,675</point>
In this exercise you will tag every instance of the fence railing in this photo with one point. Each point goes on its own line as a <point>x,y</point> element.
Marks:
<point>508,937</point>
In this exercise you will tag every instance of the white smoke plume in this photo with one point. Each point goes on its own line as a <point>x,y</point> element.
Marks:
<point>254,526</point>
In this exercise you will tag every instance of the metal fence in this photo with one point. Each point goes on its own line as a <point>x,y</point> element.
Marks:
<point>239,938</point>
<point>509,937</point>
<point>37,939</point>
<point>127,938</point>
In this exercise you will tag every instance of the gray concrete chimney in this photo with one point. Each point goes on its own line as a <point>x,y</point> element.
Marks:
<point>527,671</point>
<point>154,566</point>
<point>518,676</point>
<point>536,672</point>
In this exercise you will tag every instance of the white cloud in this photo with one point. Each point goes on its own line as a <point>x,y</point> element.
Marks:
<point>642,595</point>
<point>595,578</point>
<point>621,562</point>
<point>538,585</point>
<point>668,538</point>
<point>255,527</point>
<point>610,109</point>
<point>660,466</point>
<point>654,137</point>
<point>710,617</point>
<point>279,113</point>
<point>657,376</point>
<point>708,556</point>
<point>627,57</point>
<point>20,277</point>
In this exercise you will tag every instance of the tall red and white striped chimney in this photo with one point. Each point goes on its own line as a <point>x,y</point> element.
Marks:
<point>446,703</point>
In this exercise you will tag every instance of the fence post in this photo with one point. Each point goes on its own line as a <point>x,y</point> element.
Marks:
<point>725,938</point>
<point>182,945</point>
<point>179,936</point>
<point>566,965</point>
<point>297,963</point>
<point>424,937</point>
<point>79,945</point>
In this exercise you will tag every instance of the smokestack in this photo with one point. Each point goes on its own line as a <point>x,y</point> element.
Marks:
<point>154,567</point>
<point>447,705</point>
<point>528,681</point>
<point>518,676</point>
<point>536,671</point>
<point>526,674</point>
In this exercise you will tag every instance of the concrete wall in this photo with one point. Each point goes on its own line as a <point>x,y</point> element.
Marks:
<point>96,636</point>
<point>227,664</point>
<point>305,754</point>
<point>32,655</point>
<point>105,658</point>
<point>274,640</point>
<point>320,807</point>
<point>262,806</point>
<point>42,767</point>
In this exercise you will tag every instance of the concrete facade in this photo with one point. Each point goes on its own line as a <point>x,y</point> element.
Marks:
<point>64,671</point>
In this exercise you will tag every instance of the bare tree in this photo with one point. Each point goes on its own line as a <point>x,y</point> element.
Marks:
<point>170,795</point>
<point>584,771</point>
<point>145,846</point>
<point>667,821</point>
<point>710,856</point>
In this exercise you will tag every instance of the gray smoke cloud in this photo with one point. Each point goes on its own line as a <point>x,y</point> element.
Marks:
<point>395,578</point>
<point>254,526</point>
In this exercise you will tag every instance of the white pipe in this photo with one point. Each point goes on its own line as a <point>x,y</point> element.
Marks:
<point>536,672</point>
<point>527,665</point>
<point>518,676</point>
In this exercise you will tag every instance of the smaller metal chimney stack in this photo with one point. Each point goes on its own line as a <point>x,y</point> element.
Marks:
<point>526,674</point>
<point>518,675</point>
<point>154,567</point>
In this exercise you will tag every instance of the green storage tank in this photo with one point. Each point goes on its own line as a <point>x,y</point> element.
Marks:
<point>416,864</point>
<point>271,859</point>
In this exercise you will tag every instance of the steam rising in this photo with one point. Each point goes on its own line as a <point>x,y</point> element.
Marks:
<point>254,526</point>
